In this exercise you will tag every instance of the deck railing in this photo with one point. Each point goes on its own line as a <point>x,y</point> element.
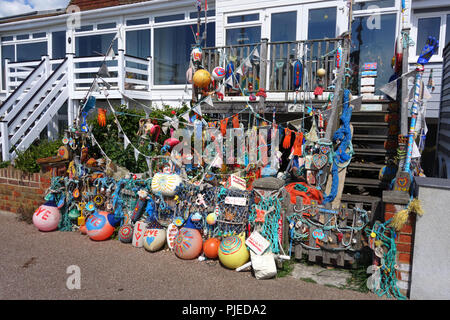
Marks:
<point>278,63</point>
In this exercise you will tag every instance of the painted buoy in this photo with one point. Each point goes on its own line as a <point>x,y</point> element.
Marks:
<point>188,244</point>
<point>321,72</point>
<point>138,234</point>
<point>172,232</point>
<point>100,225</point>
<point>165,183</point>
<point>218,73</point>
<point>47,217</point>
<point>126,233</point>
<point>154,239</point>
<point>211,248</point>
<point>201,78</point>
<point>232,252</point>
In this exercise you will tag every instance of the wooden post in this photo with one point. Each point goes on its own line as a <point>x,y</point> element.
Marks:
<point>263,73</point>
<point>5,140</point>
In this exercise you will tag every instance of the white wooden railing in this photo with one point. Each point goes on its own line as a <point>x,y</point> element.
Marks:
<point>34,103</point>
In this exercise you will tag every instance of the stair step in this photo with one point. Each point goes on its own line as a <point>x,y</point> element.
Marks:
<point>363,182</point>
<point>371,151</point>
<point>367,166</point>
<point>359,198</point>
<point>370,137</point>
<point>370,124</point>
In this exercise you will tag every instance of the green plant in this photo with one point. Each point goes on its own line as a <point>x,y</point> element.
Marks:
<point>5,164</point>
<point>26,160</point>
<point>286,268</point>
<point>112,144</point>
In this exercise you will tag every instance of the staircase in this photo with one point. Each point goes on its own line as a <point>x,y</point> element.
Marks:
<point>375,130</point>
<point>32,105</point>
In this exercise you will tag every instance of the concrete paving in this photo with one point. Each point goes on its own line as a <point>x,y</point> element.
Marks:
<point>34,265</point>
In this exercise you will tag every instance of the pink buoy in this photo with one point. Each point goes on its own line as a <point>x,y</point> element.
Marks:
<point>188,244</point>
<point>47,217</point>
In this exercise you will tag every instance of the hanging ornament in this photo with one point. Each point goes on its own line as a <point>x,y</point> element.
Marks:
<point>101,117</point>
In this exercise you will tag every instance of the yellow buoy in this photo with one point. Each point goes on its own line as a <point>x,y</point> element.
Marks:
<point>321,72</point>
<point>202,78</point>
<point>232,252</point>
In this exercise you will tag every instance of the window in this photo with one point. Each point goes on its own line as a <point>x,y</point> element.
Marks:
<point>322,23</point>
<point>244,18</point>
<point>85,28</point>
<point>138,43</point>
<point>8,52</point>
<point>427,27</point>
<point>209,13</point>
<point>172,51</point>
<point>39,35</point>
<point>168,18</point>
<point>447,32</point>
<point>245,35</point>
<point>102,26</point>
<point>7,38</point>
<point>283,26</point>
<point>58,44</point>
<point>379,3</point>
<point>23,37</point>
<point>137,22</point>
<point>373,45</point>
<point>31,51</point>
<point>94,45</point>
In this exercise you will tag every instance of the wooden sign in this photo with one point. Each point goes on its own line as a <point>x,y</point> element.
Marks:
<point>402,182</point>
<point>369,74</point>
<point>236,201</point>
<point>172,232</point>
<point>368,81</point>
<point>370,66</point>
<point>138,234</point>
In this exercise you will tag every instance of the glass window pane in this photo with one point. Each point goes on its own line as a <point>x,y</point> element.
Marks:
<point>244,18</point>
<point>172,51</point>
<point>58,44</point>
<point>209,13</point>
<point>168,18</point>
<point>322,23</point>
<point>138,43</point>
<point>31,51</point>
<point>39,35</point>
<point>85,28</point>
<point>373,45</point>
<point>447,32</point>
<point>246,35</point>
<point>284,26</point>
<point>136,22</point>
<point>427,27</point>
<point>379,3</point>
<point>23,36</point>
<point>102,26</point>
<point>8,38</point>
<point>8,52</point>
<point>94,45</point>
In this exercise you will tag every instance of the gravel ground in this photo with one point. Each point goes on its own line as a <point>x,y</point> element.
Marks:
<point>33,265</point>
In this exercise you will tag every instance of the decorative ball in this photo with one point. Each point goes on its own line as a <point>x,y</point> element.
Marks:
<point>211,248</point>
<point>47,217</point>
<point>126,233</point>
<point>202,78</point>
<point>188,244</point>
<point>211,218</point>
<point>196,54</point>
<point>99,225</point>
<point>218,73</point>
<point>232,252</point>
<point>321,72</point>
<point>165,183</point>
<point>154,239</point>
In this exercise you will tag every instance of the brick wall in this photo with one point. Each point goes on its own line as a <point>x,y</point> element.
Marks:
<point>405,244</point>
<point>18,188</point>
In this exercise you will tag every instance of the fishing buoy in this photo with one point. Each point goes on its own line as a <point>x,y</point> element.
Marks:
<point>100,225</point>
<point>211,218</point>
<point>297,74</point>
<point>138,234</point>
<point>232,252</point>
<point>211,248</point>
<point>201,78</point>
<point>197,54</point>
<point>218,73</point>
<point>172,232</point>
<point>126,233</point>
<point>321,72</point>
<point>83,229</point>
<point>165,183</point>
<point>188,244</point>
<point>47,217</point>
<point>140,206</point>
<point>154,239</point>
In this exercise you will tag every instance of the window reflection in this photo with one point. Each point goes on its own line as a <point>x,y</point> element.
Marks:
<point>8,52</point>
<point>58,44</point>
<point>172,51</point>
<point>246,35</point>
<point>373,45</point>
<point>447,32</point>
<point>427,27</point>
<point>322,23</point>
<point>31,51</point>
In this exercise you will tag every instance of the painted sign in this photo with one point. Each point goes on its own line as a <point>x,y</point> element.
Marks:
<point>370,66</point>
<point>257,243</point>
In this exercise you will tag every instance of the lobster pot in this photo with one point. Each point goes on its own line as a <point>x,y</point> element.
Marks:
<point>138,234</point>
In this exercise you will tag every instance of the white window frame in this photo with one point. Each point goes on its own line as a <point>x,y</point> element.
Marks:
<point>436,58</point>
<point>236,25</point>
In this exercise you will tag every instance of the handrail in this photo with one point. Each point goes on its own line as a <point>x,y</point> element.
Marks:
<point>18,91</point>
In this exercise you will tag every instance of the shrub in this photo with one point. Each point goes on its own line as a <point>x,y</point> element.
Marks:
<point>26,160</point>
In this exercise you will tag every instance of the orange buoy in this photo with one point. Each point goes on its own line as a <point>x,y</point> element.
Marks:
<point>211,248</point>
<point>202,78</point>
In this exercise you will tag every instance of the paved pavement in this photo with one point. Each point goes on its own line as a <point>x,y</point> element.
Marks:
<point>33,265</point>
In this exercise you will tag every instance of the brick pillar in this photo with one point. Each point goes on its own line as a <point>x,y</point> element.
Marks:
<point>404,243</point>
